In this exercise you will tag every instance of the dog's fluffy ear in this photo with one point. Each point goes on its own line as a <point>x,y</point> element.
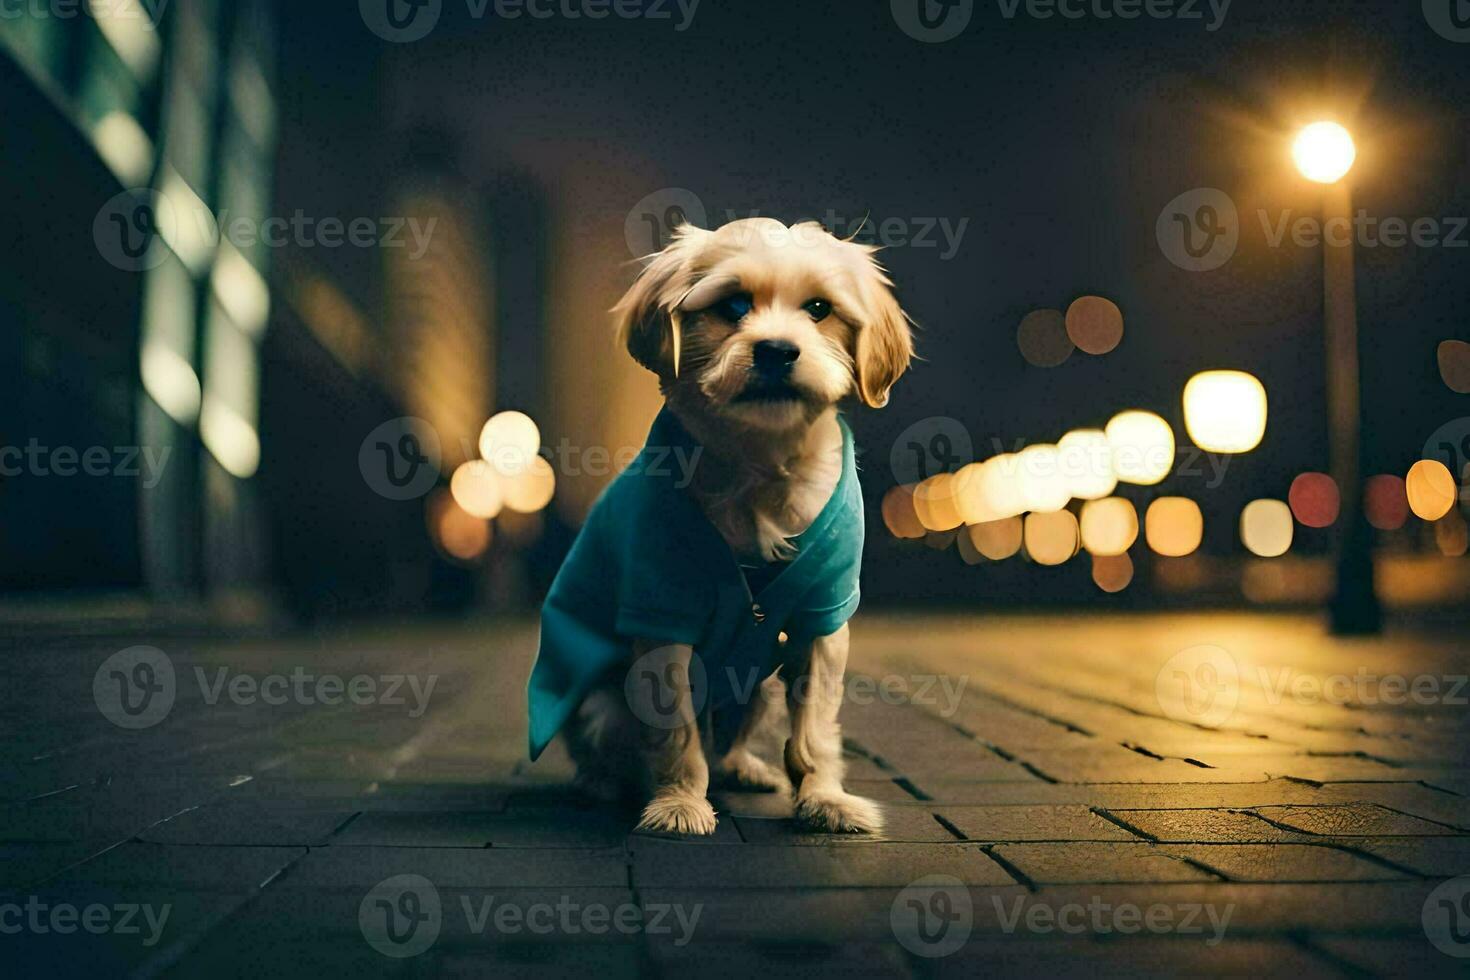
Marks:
<point>885,344</point>
<point>646,314</point>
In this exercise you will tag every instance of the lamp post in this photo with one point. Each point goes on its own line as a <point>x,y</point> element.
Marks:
<point>1324,153</point>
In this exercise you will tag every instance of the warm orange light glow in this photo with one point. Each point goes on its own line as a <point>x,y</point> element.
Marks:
<point>1174,526</point>
<point>1324,152</point>
<point>1314,499</point>
<point>1385,502</point>
<point>509,442</point>
<point>1051,538</point>
<point>1112,573</point>
<point>996,540</point>
<point>1087,463</point>
<point>1043,487</point>
<point>1094,324</point>
<point>935,503</point>
<point>1454,365</point>
<point>899,514</point>
<point>1042,338</point>
<point>1451,535</point>
<point>1225,411</point>
<point>530,489</point>
<point>1266,528</point>
<point>1109,526</point>
<point>1142,445</point>
<point>991,491</point>
<point>1431,489</point>
<point>476,488</point>
<point>458,534</point>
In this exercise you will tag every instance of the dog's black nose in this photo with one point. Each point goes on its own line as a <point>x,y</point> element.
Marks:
<point>775,357</point>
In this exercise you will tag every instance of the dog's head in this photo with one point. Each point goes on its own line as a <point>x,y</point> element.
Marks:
<point>765,325</point>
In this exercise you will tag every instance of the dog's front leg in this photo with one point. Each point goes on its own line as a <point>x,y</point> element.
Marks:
<point>814,752</point>
<point>670,740</point>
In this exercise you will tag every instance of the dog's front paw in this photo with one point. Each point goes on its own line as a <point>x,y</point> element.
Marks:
<point>743,769</point>
<point>678,812</point>
<point>840,813</point>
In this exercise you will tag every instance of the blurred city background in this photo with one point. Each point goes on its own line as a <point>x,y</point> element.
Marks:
<point>245,241</point>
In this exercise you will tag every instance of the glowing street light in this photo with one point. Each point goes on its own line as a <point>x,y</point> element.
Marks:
<point>1324,153</point>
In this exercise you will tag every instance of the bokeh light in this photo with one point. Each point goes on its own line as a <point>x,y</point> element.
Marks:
<point>1431,490</point>
<point>965,545</point>
<point>1043,487</point>
<point>1142,445</point>
<point>1112,573</point>
<point>532,488</point>
<point>458,534</point>
<point>1451,536</point>
<point>1314,499</point>
<point>1324,152</point>
<point>1087,463</point>
<point>1042,338</point>
<point>1266,528</point>
<point>940,540</point>
<point>899,515</point>
<point>1174,526</point>
<point>996,540</point>
<point>991,491</point>
<point>1109,526</point>
<point>1385,502</point>
<point>1454,365</point>
<point>509,442</point>
<point>475,486</point>
<point>1225,411</point>
<point>936,504</point>
<point>1051,538</point>
<point>1094,324</point>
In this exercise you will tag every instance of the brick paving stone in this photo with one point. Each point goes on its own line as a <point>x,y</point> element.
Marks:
<point>1125,795</point>
<point>536,960</point>
<point>786,915</point>
<point>1032,823</point>
<point>1086,863</point>
<point>522,827</point>
<point>1374,956</point>
<point>221,868</point>
<point>248,823</point>
<point>674,864</point>
<point>1163,957</point>
<point>913,824</point>
<point>22,865</point>
<point>363,867</point>
<point>1283,862</point>
<point>1432,857</point>
<point>1352,820</point>
<point>779,961</point>
<point>1415,799</point>
<point>1205,826</point>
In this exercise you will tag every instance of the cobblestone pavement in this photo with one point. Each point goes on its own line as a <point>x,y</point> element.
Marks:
<point>1140,796</point>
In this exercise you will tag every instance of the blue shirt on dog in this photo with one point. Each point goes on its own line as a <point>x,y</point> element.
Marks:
<point>649,564</point>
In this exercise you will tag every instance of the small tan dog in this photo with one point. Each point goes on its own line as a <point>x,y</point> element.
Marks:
<point>756,331</point>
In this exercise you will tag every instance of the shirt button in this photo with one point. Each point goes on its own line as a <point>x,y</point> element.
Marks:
<point>757,612</point>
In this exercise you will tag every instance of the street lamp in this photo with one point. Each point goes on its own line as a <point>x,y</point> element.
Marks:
<point>1324,153</point>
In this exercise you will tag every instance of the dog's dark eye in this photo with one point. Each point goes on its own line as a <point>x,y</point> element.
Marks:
<point>734,308</point>
<point>817,309</point>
